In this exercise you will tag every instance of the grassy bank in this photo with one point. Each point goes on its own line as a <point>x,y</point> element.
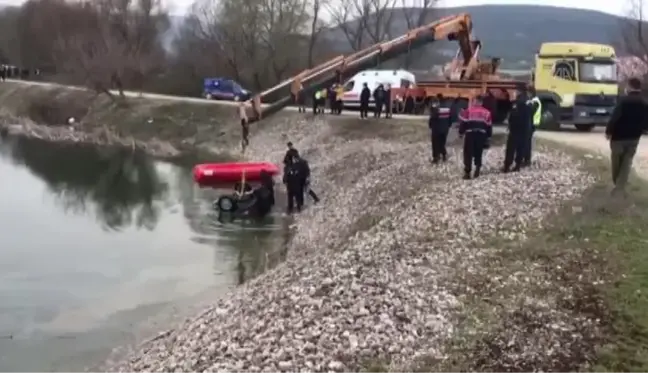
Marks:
<point>572,297</point>
<point>591,260</point>
<point>184,125</point>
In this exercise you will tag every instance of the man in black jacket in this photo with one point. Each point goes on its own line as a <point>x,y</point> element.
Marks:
<point>365,96</point>
<point>519,125</point>
<point>439,124</point>
<point>379,98</point>
<point>627,123</point>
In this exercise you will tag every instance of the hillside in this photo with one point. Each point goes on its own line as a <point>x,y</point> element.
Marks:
<point>514,32</point>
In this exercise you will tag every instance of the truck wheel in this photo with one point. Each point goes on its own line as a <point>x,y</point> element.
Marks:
<point>226,204</point>
<point>584,127</point>
<point>550,117</point>
<point>208,96</point>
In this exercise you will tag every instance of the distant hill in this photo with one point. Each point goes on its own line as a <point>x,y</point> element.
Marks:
<point>514,32</point>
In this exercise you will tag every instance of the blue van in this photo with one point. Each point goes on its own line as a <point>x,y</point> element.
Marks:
<point>224,89</point>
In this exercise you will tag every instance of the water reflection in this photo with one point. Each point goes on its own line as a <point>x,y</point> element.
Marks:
<point>120,239</point>
<point>119,186</point>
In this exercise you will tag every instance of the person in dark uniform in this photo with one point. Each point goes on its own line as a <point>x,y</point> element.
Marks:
<point>294,181</point>
<point>365,96</point>
<point>304,170</point>
<point>264,195</point>
<point>519,124</point>
<point>476,127</point>
<point>379,100</point>
<point>290,153</point>
<point>330,94</point>
<point>388,101</point>
<point>439,124</point>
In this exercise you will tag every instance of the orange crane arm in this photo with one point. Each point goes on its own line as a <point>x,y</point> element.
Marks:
<point>456,27</point>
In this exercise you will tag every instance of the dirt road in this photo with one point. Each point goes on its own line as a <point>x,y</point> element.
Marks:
<point>196,100</point>
<point>595,142</point>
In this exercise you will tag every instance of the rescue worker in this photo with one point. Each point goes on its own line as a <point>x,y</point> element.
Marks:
<point>536,118</point>
<point>365,96</point>
<point>439,124</point>
<point>323,103</point>
<point>316,102</point>
<point>519,124</point>
<point>245,127</point>
<point>264,194</point>
<point>339,95</point>
<point>294,181</point>
<point>290,153</point>
<point>330,94</point>
<point>379,100</point>
<point>304,169</point>
<point>476,127</point>
<point>389,101</point>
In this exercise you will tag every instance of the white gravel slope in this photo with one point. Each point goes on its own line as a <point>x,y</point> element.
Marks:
<point>370,272</point>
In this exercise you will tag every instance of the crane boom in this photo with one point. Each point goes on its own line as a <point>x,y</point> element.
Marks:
<point>456,27</point>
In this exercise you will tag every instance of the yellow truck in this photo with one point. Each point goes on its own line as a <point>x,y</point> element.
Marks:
<point>577,84</point>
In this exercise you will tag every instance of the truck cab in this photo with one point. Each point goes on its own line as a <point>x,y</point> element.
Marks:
<point>577,84</point>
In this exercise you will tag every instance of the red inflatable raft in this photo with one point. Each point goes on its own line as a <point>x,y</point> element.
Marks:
<point>207,174</point>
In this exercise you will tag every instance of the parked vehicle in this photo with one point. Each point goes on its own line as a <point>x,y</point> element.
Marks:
<point>224,89</point>
<point>395,78</point>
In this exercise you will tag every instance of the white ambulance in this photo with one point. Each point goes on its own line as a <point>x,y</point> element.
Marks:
<point>395,78</point>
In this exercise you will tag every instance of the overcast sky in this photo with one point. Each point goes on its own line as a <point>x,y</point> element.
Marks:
<point>608,6</point>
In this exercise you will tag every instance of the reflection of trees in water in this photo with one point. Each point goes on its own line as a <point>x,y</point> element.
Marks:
<point>119,185</point>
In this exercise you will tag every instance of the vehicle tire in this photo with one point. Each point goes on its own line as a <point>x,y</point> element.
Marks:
<point>226,204</point>
<point>584,127</point>
<point>550,117</point>
<point>237,98</point>
<point>209,96</point>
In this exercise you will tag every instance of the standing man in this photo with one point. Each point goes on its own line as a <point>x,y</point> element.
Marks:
<point>519,126</point>
<point>294,181</point>
<point>365,95</point>
<point>301,99</point>
<point>316,102</point>
<point>245,126</point>
<point>476,127</point>
<point>379,98</point>
<point>389,101</point>
<point>339,95</point>
<point>627,123</point>
<point>536,118</point>
<point>439,124</point>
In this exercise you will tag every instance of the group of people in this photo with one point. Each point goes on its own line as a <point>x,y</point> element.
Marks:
<point>476,128</point>
<point>382,101</point>
<point>323,98</point>
<point>296,177</point>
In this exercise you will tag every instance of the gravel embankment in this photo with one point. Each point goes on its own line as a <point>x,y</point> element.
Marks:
<point>371,273</point>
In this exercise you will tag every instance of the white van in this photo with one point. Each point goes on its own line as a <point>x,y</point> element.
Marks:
<point>395,78</point>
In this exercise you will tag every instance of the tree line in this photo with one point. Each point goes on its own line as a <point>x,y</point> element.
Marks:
<point>132,45</point>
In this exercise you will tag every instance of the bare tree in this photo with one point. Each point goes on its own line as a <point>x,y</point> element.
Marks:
<point>363,22</point>
<point>317,25</point>
<point>416,14</point>
<point>111,44</point>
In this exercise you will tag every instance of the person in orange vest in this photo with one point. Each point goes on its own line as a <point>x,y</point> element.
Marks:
<point>339,94</point>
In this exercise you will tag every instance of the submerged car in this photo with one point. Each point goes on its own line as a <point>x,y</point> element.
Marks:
<point>224,89</point>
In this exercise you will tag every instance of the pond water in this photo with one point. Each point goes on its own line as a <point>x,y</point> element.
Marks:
<point>96,243</point>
